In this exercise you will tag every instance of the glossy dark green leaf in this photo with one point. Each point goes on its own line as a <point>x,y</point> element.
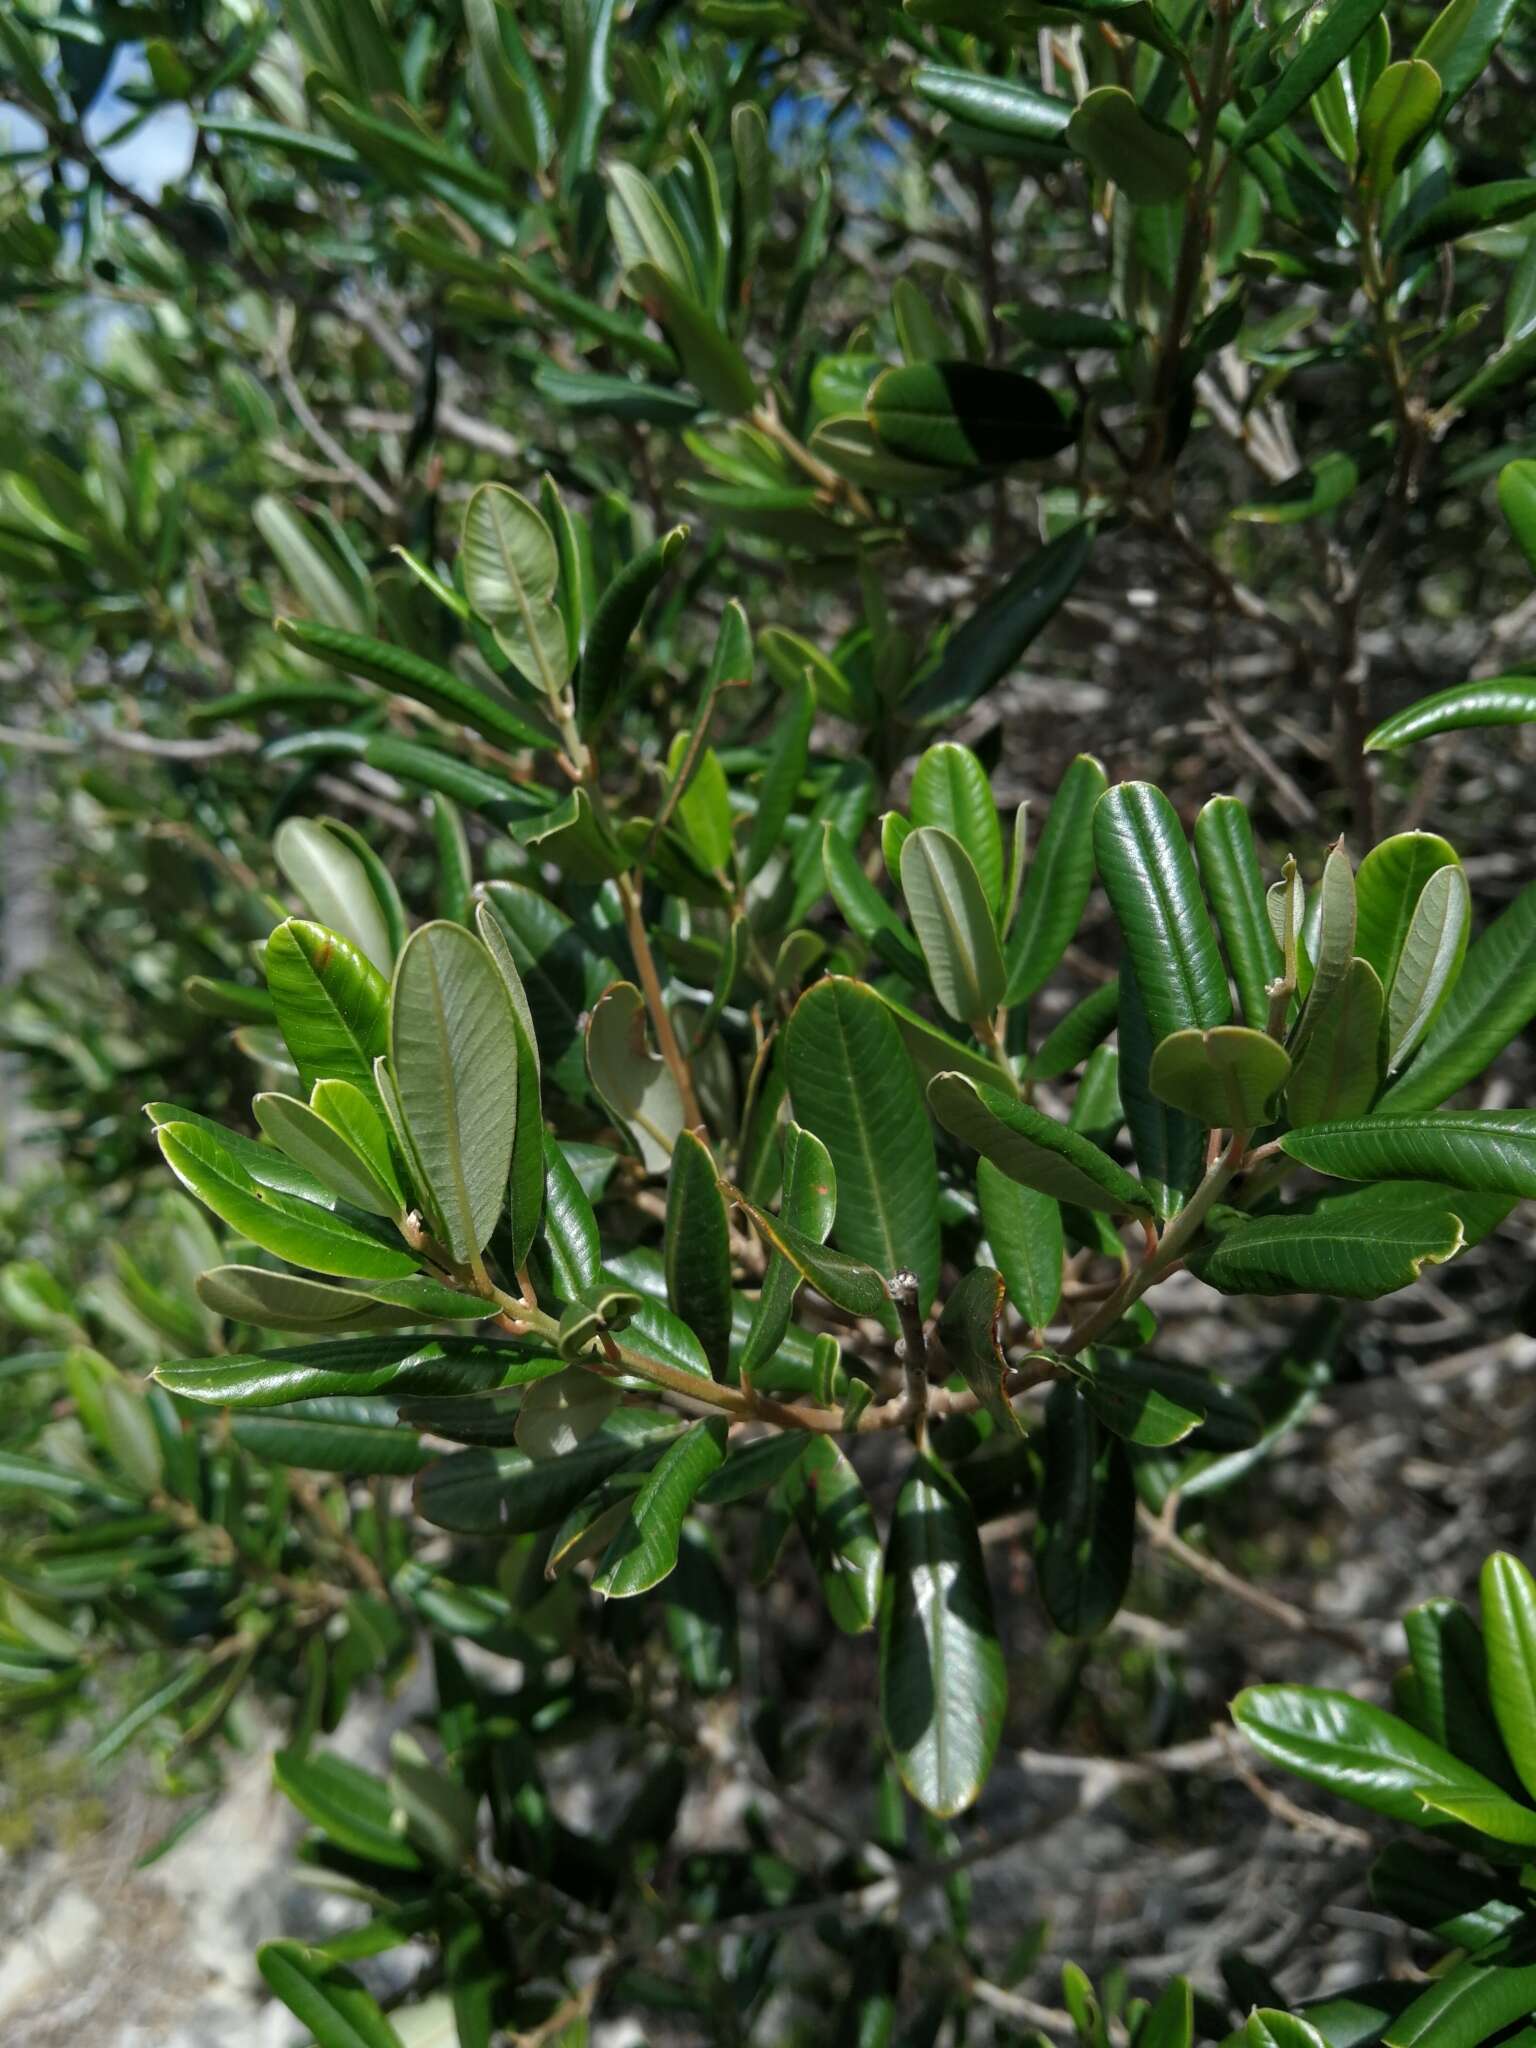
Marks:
<point>950,790</point>
<point>434,1367</point>
<point>943,1686</point>
<point>348,1804</point>
<point>1428,1889</point>
<point>1149,876</point>
<point>287,1301</point>
<point>853,1086</point>
<point>352,1433</point>
<point>1139,1399</point>
<point>866,911</point>
<point>1024,1234</point>
<point>808,1207</point>
<point>1339,1067</point>
<point>425,682</point>
<point>1491,700</point>
<point>1489,1152</point>
<point>1447,1694</point>
<point>1317,487</point>
<point>563,973</point>
<point>782,773</point>
<point>600,675</point>
<point>332,1005</point>
<point>698,1249</point>
<point>1086,1530</point>
<point>336,2007</point>
<point>711,360</point>
<point>995,105</point>
<point>962,415</point>
<point>644,1548</point>
<point>1359,1245</point>
<point>1086,1025</point>
<point>1035,1149</point>
<point>1229,869</point>
<point>490,1492</point>
<point>1476,1999</point>
<point>307,1235</point>
<point>454,1058</point>
<point>823,1493</point>
<point>1508,1599</point>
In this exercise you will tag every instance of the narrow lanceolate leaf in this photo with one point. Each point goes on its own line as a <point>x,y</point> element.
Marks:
<point>600,675</point>
<point>351,1115</point>
<point>1364,1754</point>
<point>954,924</point>
<point>1494,998</point>
<point>1338,1069</point>
<point>332,1005</point>
<point>357,1434</point>
<point>1387,891</point>
<point>525,1185</point>
<point>1450,1697</point>
<point>1055,883</point>
<point>711,360</point>
<point>943,1685</point>
<point>950,790</point>
<point>636,1084</point>
<point>292,1229</point>
<point>1487,1152</point>
<point>971,1334</point>
<point>866,911</point>
<point>311,1142</point>
<point>1492,700</point>
<point>454,1055</point>
<point>346,1803</point>
<point>335,887</point>
<point>1086,1025</point>
<point>1024,1233</point>
<point>698,1249</point>
<point>1149,875</point>
<point>788,755</point>
<point>1141,1400</point>
<point>1087,1521</point>
<point>1508,1598</point>
<point>1035,1149</point>
<point>644,1547</point>
<point>1333,945</point>
<point>425,682</point>
<point>1229,868</point>
<point>339,2011</point>
<point>1316,60</point>
<point>1228,1077</point>
<point>1360,1245</point>
<point>848,1283</point>
<point>1169,1146</point>
<point>853,1086</point>
<point>446,1367</point>
<point>287,1301</point>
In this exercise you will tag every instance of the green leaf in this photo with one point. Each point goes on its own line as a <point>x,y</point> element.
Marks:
<point>1149,876</point>
<point>793,658</point>
<point>1429,962</point>
<point>1517,501</point>
<point>943,1685</point>
<point>1170,2021</point>
<point>1476,1999</point>
<point>1338,1068</point>
<point>292,1229</point>
<point>335,887</point>
<point>1227,1078</point>
<point>1363,1754</point>
<point>846,1282</point>
<point>525,1187</point>
<point>564,971</point>
<point>644,232</point>
<point>783,771</point>
<point>985,647</point>
<point>954,924</point>
<point>698,1249</point>
<point>505,90</point>
<point>1493,999</point>
<point>332,1005</point>
<point>1461,39</point>
<point>1317,59</point>
<point>934,1051</point>
<point>1387,891</point>
<point>1449,1689</point>
<point>511,568</point>
<point>962,415</point>
<point>823,1494</point>
<point>430,1366</point>
<point>711,361</point>
<point>1139,1399</point>
<point>327,586</point>
<point>454,1056</point>
<point>559,1413</point>
<point>1508,1597</point>
<point>350,1433</point>
<point>1086,1529</point>
<point>643,1550</point>
<point>1034,1149</point>
<point>970,1328</point>
<point>425,682</point>
<point>1086,1025</point>
<point>1360,1245</point>
<point>1488,1152</point>
<point>1024,1235</point>
<point>1229,869</point>
<point>1150,162</point>
<point>1467,212</point>
<point>286,1301</point>
<point>997,106</point>
<point>1429,1890</point>
<point>600,674</point>
<point>636,1084</point>
<point>866,911</point>
<point>487,1492</point>
<point>808,1207</point>
<point>314,1144</point>
<point>570,1228</point>
<point>1331,936</point>
<point>1317,487</point>
<point>852,1085</point>
<point>950,790</point>
<point>1399,107</point>
<point>1169,1146</point>
<point>348,1804</point>
<point>1491,700</point>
